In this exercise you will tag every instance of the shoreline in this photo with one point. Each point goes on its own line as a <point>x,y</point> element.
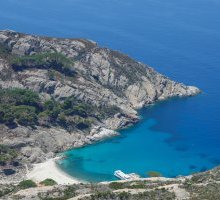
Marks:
<point>49,169</point>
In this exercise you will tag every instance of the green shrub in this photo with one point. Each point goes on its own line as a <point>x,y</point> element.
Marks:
<point>25,115</point>
<point>69,192</point>
<point>7,153</point>
<point>6,114</point>
<point>6,189</point>
<point>62,118</point>
<point>46,60</point>
<point>19,106</point>
<point>106,111</point>
<point>18,96</point>
<point>24,107</point>
<point>27,184</point>
<point>4,51</point>
<point>116,185</point>
<point>83,123</point>
<point>52,108</point>
<point>77,110</point>
<point>52,75</point>
<point>48,182</point>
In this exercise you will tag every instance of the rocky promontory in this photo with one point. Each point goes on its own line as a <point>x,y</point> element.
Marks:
<point>63,93</point>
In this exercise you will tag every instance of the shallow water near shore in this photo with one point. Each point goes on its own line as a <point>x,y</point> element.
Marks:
<point>145,147</point>
<point>180,39</point>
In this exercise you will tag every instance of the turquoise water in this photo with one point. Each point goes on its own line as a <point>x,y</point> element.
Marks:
<point>145,147</point>
<point>180,39</point>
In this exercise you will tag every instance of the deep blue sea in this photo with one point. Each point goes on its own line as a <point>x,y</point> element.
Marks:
<point>180,39</point>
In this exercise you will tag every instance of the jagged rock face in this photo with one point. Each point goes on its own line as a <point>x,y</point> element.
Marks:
<point>103,78</point>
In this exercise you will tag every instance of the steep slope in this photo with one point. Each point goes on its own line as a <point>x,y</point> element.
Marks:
<point>96,89</point>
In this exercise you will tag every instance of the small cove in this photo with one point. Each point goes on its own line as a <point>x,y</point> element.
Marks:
<point>180,39</point>
<point>143,147</point>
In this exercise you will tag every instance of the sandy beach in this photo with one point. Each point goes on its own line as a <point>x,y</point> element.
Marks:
<point>49,169</point>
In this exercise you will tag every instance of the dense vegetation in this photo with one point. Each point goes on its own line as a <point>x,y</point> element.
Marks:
<point>3,51</point>
<point>18,106</point>
<point>46,60</point>
<point>6,189</point>
<point>27,184</point>
<point>48,182</point>
<point>6,154</point>
<point>24,107</point>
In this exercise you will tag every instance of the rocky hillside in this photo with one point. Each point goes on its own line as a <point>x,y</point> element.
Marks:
<point>201,186</point>
<point>61,93</point>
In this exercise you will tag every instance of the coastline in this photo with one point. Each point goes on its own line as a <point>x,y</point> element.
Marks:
<point>49,169</point>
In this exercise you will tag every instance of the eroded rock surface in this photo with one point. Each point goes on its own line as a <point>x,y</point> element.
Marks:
<point>102,77</point>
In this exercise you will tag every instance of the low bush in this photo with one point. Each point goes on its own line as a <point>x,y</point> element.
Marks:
<point>24,107</point>
<point>116,185</point>
<point>7,154</point>
<point>4,51</point>
<point>27,184</point>
<point>46,60</point>
<point>18,96</point>
<point>48,182</point>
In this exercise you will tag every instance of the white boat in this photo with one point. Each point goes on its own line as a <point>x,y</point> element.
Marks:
<point>121,175</point>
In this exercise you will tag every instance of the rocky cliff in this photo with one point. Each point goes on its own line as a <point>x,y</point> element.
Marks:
<point>103,80</point>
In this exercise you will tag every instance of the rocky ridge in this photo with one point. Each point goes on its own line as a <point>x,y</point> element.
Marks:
<point>101,77</point>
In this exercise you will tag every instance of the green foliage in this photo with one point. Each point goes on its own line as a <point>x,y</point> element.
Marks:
<point>106,111</point>
<point>47,60</point>
<point>24,107</point>
<point>6,115</point>
<point>4,51</point>
<point>116,185</point>
<point>77,110</point>
<point>138,185</point>
<point>48,182</point>
<point>52,75</point>
<point>111,110</point>
<point>52,108</point>
<point>7,154</point>
<point>69,193</point>
<point>6,189</point>
<point>130,185</point>
<point>154,174</point>
<point>83,123</point>
<point>25,115</point>
<point>109,195</point>
<point>75,107</point>
<point>65,194</point>
<point>18,106</point>
<point>27,184</point>
<point>18,96</point>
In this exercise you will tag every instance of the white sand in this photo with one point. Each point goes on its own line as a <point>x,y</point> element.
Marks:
<point>49,169</point>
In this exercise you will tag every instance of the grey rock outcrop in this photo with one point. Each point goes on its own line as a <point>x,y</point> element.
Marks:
<point>103,77</point>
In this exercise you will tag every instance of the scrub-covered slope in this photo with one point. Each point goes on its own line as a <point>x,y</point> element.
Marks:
<point>200,186</point>
<point>61,93</point>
